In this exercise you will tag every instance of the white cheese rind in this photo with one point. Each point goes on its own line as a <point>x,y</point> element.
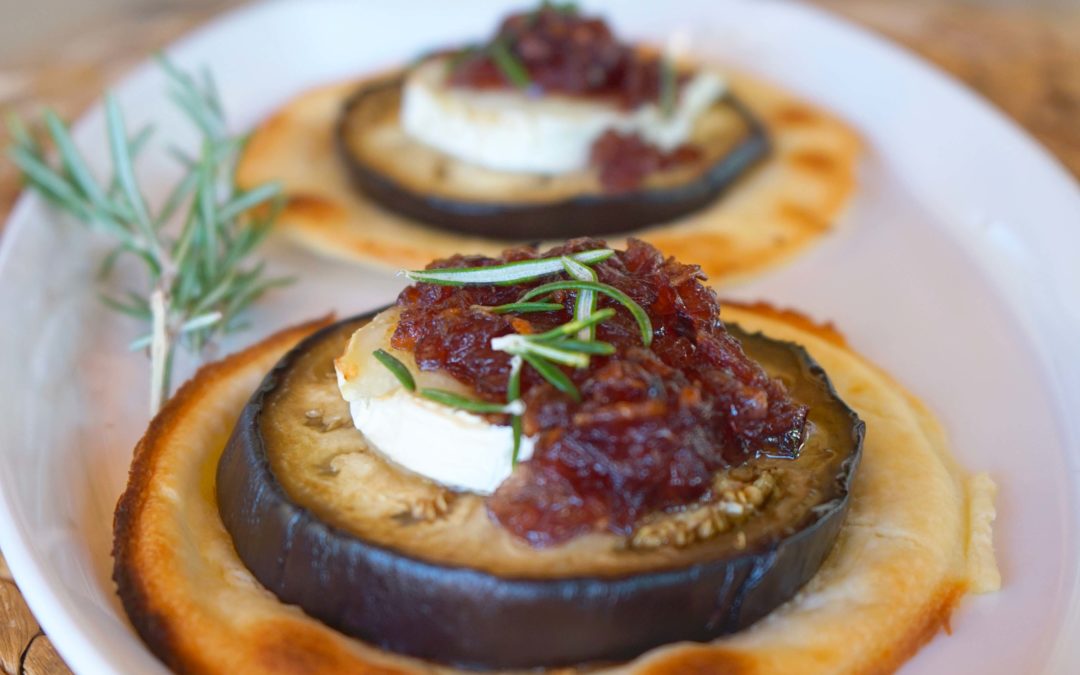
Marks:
<point>451,447</point>
<point>454,448</point>
<point>511,131</point>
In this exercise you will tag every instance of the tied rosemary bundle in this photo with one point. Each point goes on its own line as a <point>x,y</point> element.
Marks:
<point>199,273</point>
<point>570,344</point>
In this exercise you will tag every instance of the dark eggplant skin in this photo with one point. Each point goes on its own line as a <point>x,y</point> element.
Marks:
<point>474,619</point>
<point>584,215</point>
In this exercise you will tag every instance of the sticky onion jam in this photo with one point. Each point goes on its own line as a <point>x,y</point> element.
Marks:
<point>556,49</point>
<point>647,422</point>
<point>561,50</point>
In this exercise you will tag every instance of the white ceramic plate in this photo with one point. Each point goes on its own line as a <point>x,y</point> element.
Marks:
<point>958,270</point>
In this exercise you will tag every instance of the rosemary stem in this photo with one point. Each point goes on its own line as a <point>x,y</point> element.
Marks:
<point>166,380</point>
<point>161,347</point>
<point>513,393</point>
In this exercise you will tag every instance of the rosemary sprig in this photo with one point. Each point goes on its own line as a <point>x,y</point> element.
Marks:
<point>561,7</point>
<point>507,274</point>
<point>644,324</point>
<point>200,279</point>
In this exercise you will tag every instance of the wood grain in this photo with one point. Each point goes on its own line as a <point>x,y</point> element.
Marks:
<point>18,627</point>
<point>1025,60</point>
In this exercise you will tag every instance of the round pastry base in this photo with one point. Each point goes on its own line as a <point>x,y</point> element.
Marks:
<point>917,537</point>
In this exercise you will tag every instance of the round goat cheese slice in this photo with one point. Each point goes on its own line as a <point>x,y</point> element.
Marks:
<point>518,132</point>
<point>451,447</point>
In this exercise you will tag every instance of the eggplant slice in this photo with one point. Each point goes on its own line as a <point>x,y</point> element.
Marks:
<point>409,178</point>
<point>458,589</point>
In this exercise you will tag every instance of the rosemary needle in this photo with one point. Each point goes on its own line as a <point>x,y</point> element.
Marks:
<point>449,398</point>
<point>513,393</point>
<point>523,307</point>
<point>507,274</point>
<point>396,368</point>
<point>509,65</point>
<point>585,302</point>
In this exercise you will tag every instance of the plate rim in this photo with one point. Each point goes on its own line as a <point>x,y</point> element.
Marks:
<point>73,640</point>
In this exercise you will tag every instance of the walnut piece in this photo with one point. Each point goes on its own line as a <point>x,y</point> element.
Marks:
<point>732,502</point>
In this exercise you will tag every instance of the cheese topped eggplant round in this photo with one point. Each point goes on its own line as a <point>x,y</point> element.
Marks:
<point>433,499</point>
<point>553,128</point>
<point>518,132</point>
<point>455,448</point>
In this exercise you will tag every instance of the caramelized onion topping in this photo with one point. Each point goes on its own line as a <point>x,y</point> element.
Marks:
<point>623,161</point>
<point>565,52</point>
<point>653,424</point>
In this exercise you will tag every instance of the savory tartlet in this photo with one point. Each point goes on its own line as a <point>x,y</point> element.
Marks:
<point>551,129</point>
<point>665,488</point>
<point>549,460</point>
<point>554,128</point>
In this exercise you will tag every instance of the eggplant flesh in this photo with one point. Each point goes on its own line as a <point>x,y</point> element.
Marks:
<point>403,584</point>
<point>407,177</point>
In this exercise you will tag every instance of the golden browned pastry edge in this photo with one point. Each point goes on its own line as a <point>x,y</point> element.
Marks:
<point>134,585</point>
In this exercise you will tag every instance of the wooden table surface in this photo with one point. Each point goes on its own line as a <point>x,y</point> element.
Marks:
<point>1026,60</point>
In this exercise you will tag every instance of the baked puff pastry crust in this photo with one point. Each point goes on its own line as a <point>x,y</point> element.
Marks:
<point>917,538</point>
